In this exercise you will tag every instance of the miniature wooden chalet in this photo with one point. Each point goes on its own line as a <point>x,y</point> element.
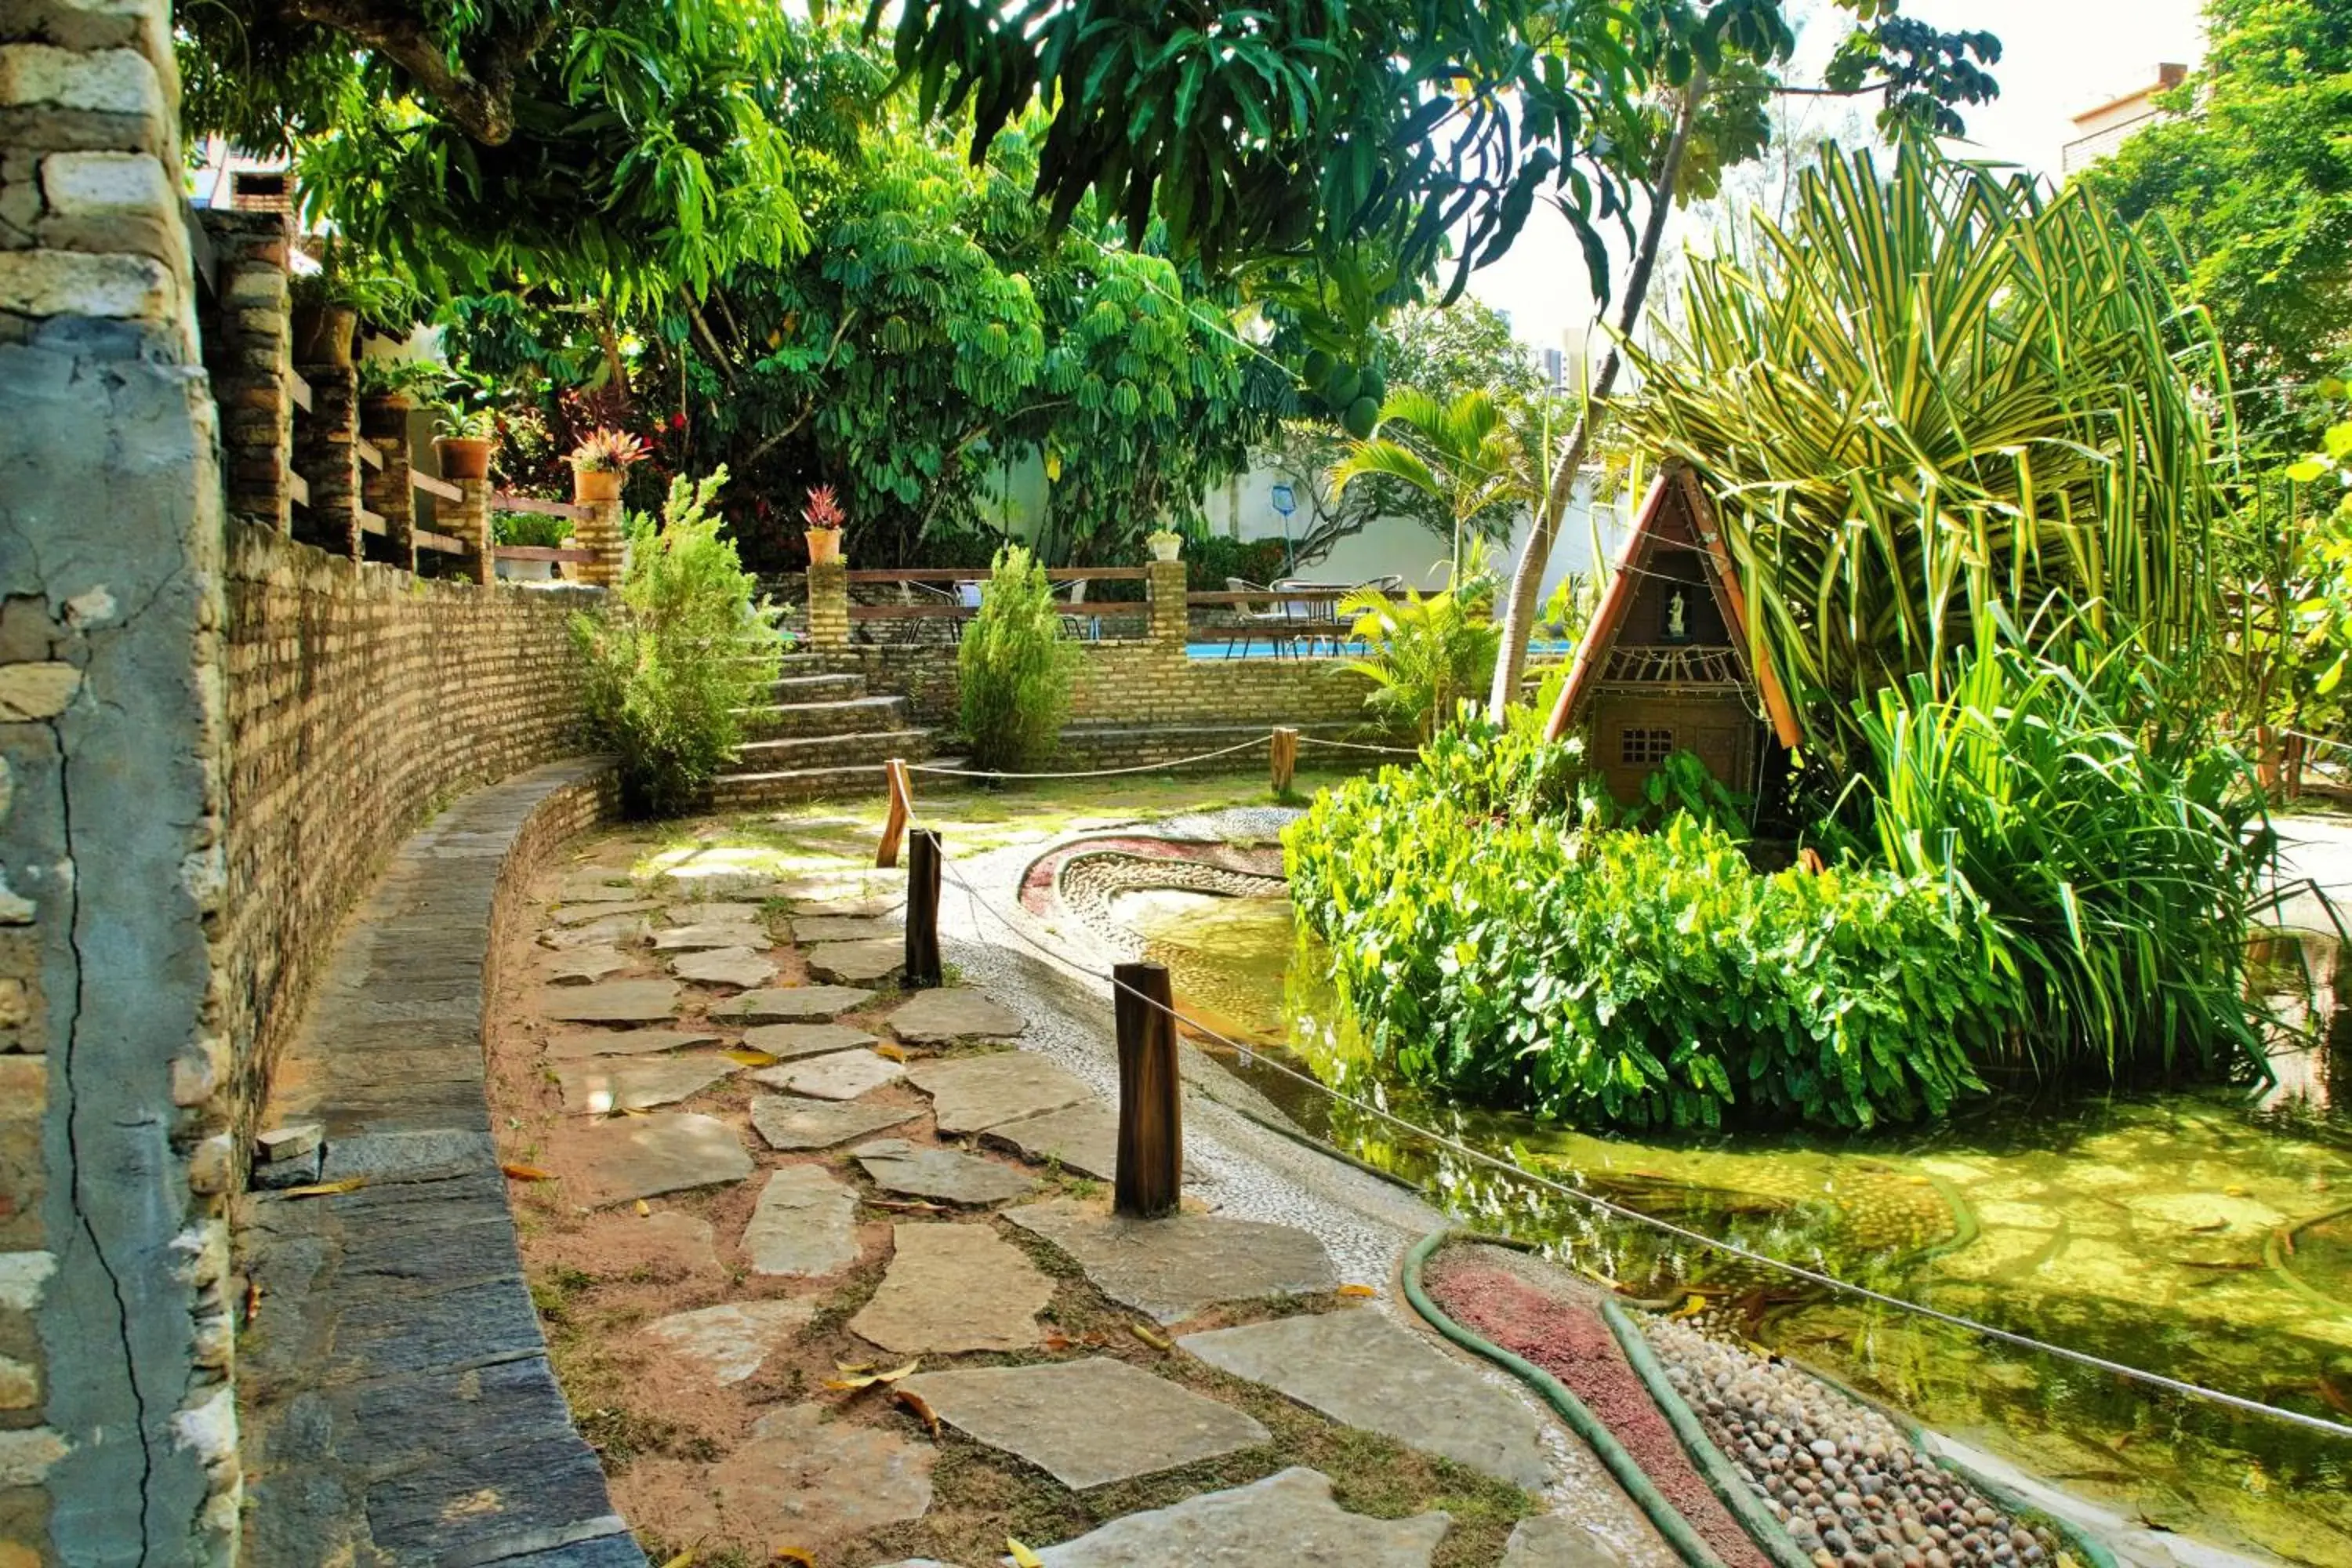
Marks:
<point>1665,665</point>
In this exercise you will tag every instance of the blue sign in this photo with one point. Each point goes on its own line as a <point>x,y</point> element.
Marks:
<point>1283,501</point>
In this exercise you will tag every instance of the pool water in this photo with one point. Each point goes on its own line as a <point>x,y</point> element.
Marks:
<point>2206,1235</point>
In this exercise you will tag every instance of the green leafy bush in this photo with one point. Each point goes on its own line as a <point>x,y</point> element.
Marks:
<point>679,651</point>
<point>1015,668</point>
<point>1429,652</point>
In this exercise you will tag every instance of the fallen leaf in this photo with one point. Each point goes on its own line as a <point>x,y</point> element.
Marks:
<point>1148,1337</point>
<point>645,1209</point>
<point>1359,1291</point>
<point>2209,1230</point>
<point>896,1206</point>
<point>1057,1341</point>
<point>800,1554</point>
<point>896,1053</point>
<point>1693,1305</point>
<point>852,1368</point>
<point>868,1379</point>
<point>683,1560</point>
<point>1022,1556</point>
<point>749,1057</point>
<point>2234,1192</point>
<point>919,1408</point>
<point>252,1302</point>
<point>325,1189</point>
<point>528,1172</point>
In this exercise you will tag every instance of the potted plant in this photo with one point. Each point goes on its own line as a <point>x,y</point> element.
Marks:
<point>465,443</point>
<point>328,305</point>
<point>1165,543</point>
<point>391,388</point>
<point>601,463</point>
<point>824,517</point>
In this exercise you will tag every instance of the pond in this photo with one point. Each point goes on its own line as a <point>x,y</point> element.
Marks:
<point>2205,1235</point>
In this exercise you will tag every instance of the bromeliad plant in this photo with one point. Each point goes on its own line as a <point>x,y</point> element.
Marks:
<point>609,451</point>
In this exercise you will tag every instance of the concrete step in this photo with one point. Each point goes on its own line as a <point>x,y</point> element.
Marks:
<point>855,716</point>
<point>748,791</point>
<point>871,748</point>
<point>818,688</point>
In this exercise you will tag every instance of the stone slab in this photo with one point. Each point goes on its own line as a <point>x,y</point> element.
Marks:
<point>708,934</point>
<point>858,960</point>
<point>643,1157</point>
<point>841,1074</point>
<point>943,1018</point>
<point>594,887</point>
<point>840,908</point>
<point>785,1121</point>
<point>738,966</point>
<point>624,1042</point>
<point>1287,1518</point>
<point>614,1002</point>
<point>836,928</point>
<point>970,1094</point>
<point>805,1481</point>
<point>1082,1138</point>
<point>598,1088</point>
<point>927,1170</point>
<point>586,965</point>
<point>1547,1540</point>
<point>1089,1423</point>
<point>792,1005</point>
<point>681,1243</point>
<point>730,1341</point>
<point>712,914</point>
<point>788,1042</point>
<point>1361,1369</point>
<point>952,1288</point>
<point>1174,1268</point>
<point>584,914</point>
<point>804,1224</point>
<point>620,930</point>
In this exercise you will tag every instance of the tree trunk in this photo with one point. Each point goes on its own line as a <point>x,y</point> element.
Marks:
<point>1534,557</point>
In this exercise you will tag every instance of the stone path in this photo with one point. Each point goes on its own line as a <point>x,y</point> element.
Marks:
<point>954,1288</point>
<point>1081,1138</point>
<point>792,1005</point>
<point>805,1224</point>
<point>614,1002</point>
<point>945,1017</point>
<point>599,1088</point>
<point>738,966</point>
<point>785,1041</point>
<point>624,1042</point>
<point>927,1170</point>
<point>1089,1423</point>
<point>842,929</point>
<point>877,959</point>
<point>645,1157</point>
<point>730,1341</point>
<point>805,1481</point>
<point>843,1074</point>
<point>1176,1267</point>
<point>784,1121</point>
<point>970,1094</point>
<point>1288,1519</point>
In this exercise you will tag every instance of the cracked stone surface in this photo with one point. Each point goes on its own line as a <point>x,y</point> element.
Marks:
<point>1361,1369</point>
<point>620,930</point>
<point>709,934</point>
<point>805,1481</point>
<point>843,1075</point>
<point>586,965</point>
<point>926,1170</point>
<point>875,960</point>
<point>624,1042</point>
<point>614,1002</point>
<point>1172,1267</point>
<point>971,1093</point>
<point>943,1017</point>
<point>837,928</point>
<point>1549,1541</point>
<point>1089,1423</point>
<point>1082,1138</point>
<point>730,1341</point>
<point>787,1042</point>
<point>738,966</point>
<point>804,1224</point>
<point>1287,1518</point>
<point>954,1288</point>
<point>792,1005</point>
<point>594,1088</point>
<point>643,1157</point>
<point>787,1122</point>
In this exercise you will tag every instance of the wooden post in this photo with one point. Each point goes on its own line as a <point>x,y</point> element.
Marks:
<point>1150,1112</point>
<point>923,908</point>
<point>1285,756</point>
<point>902,809</point>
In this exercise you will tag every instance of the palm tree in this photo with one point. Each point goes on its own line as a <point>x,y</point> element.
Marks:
<point>1464,454</point>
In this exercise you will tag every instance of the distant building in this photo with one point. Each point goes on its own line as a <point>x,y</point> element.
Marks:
<point>2099,132</point>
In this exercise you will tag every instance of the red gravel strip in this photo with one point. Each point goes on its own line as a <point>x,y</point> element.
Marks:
<point>1574,1345</point>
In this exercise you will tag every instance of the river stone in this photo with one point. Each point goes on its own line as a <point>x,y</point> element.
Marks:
<point>1287,1518</point>
<point>624,1042</point>
<point>925,1170</point>
<point>644,1156</point>
<point>943,1017</point>
<point>738,966</point>
<point>614,1002</point>
<point>1082,1138</point>
<point>620,930</point>
<point>834,927</point>
<point>1174,1267</point>
<point>730,1341</point>
<point>593,1088</point>
<point>786,1041</point>
<point>805,1224</point>
<point>875,960</point>
<point>969,1093</point>
<point>786,1123</point>
<point>805,1481</point>
<point>586,965</point>
<point>712,914</point>
<point>1363,1370</point>
<point>841,1074</point>
<point>1547,1540</point>
<point>709,934</point>
<point>1089,1423</point>
<point>583,914</point>
<point>792,1004</point>
<point>954,1288</point>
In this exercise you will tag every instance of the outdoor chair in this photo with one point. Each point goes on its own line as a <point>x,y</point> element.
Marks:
<point>1087,628</point>
<point>1272,620</point>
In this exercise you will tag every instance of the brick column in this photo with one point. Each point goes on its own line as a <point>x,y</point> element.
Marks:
<point>384,425</point>
<point>828,604</point>
<point>600,531</point>
<point>249,352</point>
<point>326,454</point>
<point>469,519</point>
<point>1163,585</point>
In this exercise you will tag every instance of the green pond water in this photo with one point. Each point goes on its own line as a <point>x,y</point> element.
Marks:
<point>2205,1235</point>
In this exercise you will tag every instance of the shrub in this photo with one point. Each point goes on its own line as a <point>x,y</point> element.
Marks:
<point>1015,668</point>
<point>676,656</point>
<point>1429,652</point>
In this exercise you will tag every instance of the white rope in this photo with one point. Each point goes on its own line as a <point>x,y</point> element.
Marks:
<point>1095,774</point>
<point>1358,746</point>
<point>1634,1215</point>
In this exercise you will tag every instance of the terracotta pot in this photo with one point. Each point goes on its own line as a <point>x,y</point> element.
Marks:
<point>596,484</point>
<point>464,457</point>
<point>385,413</point>
<point>823,544</point>
<point>322,334</point>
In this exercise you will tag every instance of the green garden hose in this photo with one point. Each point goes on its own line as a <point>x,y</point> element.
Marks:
<point>1678,1531</point>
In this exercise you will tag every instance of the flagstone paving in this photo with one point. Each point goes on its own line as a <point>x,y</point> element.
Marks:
<point>620,930</point>
<point>624,1042</point>
<point>843,1075</point>
<point>709,934</point>
<point>806,1482</point>
<point>1172,1267</point>
<point>644,1156</point>
<point>837,928</point>
<point>1360,1368</point>
<point>943,1018</point>
<point>876,958</point>
<point>1082,1138</point>
<point>1288,1519</point>
<point>712,914</point>
<point>730,1341</point>
<point>614,1002</point>
<point>1549,1541</point>
<point>672,1242</point>
<point>738,966</point>
<point>804,1224</point>
<point>786,1041</point>
<point>845,909</point>
<point>954,1288</point>
<point>972,1093</point>
<point>784,1121</point>
<point>596,887</point>
<point>586,913</point>
<point>1089,1423</point>
<point>927,1170</point>
<point>594,1088</point>
<point>792,1005</point>
<point>585,966</point>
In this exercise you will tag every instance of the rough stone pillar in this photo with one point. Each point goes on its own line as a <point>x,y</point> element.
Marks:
<point>326,454</point>
<point>1163,585</point>
<point>828,604</point>
<point>469,519</point>
<point>248,351</point>
<point>117,1430</point>
<point>600,531</point>
<point>384,425</point>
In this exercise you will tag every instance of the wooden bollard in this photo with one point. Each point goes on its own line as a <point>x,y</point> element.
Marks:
<point>922,908</point>
<point>1151,1113</point>
<point>1284,754</point>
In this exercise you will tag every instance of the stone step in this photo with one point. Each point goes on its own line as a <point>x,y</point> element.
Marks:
<point>750,790</point>
<point>818,688</point>
<point>850,716</point>
<point>875,746</point>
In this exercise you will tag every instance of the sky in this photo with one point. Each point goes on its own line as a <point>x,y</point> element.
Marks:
<point>2058,58</point>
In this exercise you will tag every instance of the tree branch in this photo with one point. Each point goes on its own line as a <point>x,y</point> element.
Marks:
<point>478,99</point>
